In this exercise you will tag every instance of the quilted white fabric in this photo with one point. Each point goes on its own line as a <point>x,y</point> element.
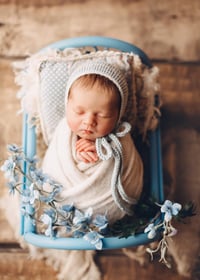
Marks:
<point>53,80</point>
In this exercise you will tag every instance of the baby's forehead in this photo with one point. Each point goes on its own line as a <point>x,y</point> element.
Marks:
<point>95,84</point>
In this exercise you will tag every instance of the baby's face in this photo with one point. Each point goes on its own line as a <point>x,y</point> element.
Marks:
<point>92,112</point>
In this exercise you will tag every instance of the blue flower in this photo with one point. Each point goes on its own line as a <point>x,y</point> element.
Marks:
<point>170,209</point>
<point>51,192</point>
<point>78,234</point>
<point>82,218</point>
<point>101,222</point>
<point>51,213</point>
<point>48,219</point>
<point>17,158</point>
<point>9,169</point>
<point>66,210</point>
<point>27,211</point>
<point>32,162</point>
<point>12,187</point>
<point>151,230</point>
<point>34,194</point>
<point>14,148</point>
<point>47,198</point>
<point>26,196</point>
<point>95,239</point>
<point>30,195</point>
<point>38,177</point>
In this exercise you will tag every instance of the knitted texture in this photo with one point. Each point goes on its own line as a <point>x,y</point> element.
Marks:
<point>110,146</point>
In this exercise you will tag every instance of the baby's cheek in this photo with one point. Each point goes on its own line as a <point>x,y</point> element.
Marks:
<point>106,129</point>
<point>72,125</point>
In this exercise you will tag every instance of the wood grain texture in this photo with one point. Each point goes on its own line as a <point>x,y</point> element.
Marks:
<point>16,264</point>
<point>166,30</point>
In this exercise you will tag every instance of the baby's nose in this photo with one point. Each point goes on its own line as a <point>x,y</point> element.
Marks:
<point>90,119</point>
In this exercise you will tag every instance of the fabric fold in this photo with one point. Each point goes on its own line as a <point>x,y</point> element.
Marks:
<point>89,184</point>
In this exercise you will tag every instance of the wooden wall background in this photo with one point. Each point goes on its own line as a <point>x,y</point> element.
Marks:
<point>168,31</point>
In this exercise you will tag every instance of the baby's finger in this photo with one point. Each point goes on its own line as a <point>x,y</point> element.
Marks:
<point>82,158</point>
<point>85,146</point>
<point>91,148</point>
<point>93,156</point>
<point>88,157</point>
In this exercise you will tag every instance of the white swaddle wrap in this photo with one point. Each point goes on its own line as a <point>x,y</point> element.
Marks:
<point>89,184</point>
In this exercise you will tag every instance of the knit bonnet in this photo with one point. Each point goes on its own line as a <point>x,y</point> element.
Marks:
<point>102,68</point>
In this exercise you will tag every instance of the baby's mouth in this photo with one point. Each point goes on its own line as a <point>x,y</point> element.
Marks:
<point>88,132</point>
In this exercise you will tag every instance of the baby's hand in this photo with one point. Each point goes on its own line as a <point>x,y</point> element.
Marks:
<point>86,150</point>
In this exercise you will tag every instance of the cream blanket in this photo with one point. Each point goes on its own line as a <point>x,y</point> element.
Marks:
<point>89,184</point>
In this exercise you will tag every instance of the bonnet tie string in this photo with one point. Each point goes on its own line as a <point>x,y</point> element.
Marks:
<point>110,146</point>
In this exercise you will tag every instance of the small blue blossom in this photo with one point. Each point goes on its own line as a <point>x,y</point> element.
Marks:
<point>14,148</point>
<point>27,211</point>
<point>32,162</point>
<point>30,195</point>
<point>95,239</point>
<point>78,234</point>
<point>17,158</point>
<point>34,194</point>
<point>66,210</point>
<point>51,213</point>
<point>151,230</point>
<point>48,219</point>
<point>101,222</point>
<point>26,196</point>
<point>12,187</point>
<point>50,194</point>
<point>82,218</point>
<point>170,209</point>
<point>9,168</point>
<point>38,177</point>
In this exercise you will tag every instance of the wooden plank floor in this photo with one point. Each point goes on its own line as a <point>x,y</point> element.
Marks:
<point>16,264</point>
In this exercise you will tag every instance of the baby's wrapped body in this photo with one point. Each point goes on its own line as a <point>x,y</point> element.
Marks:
<point>90,184</point>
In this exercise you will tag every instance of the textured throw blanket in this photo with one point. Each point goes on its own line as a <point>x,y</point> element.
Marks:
<point>89,184</point>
